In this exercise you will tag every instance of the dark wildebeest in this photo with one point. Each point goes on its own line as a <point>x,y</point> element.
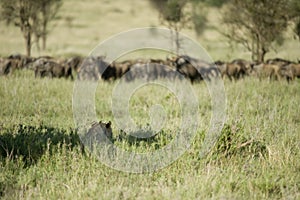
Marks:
<point>137,71</point>
<point>47,68</point>
<point>109,73</point>
<point>278,61</point>
<point>52,68</point>
<point>22,61</point>
<point>150,71</point>
<point>75,63</point>
<point>195,70</point>
<point>286,72</point>
<point>94,68</point>
<point>72,65</point>
<point>187,69</point>
<point>245,67</point>
<point>13,62</point>
<point>62,69</point>
<point>121,68</point>
<point>294,69</point>
<point>222,67</point>
<point>5,66</point>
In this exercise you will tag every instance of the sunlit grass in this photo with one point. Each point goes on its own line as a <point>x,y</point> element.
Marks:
<point>41,157</point>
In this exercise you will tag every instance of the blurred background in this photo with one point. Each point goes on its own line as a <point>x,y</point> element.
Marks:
<point>227,29</point>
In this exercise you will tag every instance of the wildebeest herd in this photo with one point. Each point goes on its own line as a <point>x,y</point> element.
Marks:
<point>95,68</point>
<point>44,66</point>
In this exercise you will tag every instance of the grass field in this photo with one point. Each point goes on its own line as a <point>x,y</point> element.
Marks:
<point>41,156</point>
<point>256,157</point>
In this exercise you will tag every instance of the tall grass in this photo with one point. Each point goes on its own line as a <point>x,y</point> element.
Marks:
<point>256,157</point>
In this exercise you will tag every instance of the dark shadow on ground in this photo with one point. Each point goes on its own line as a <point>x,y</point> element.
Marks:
<point>31,142</point>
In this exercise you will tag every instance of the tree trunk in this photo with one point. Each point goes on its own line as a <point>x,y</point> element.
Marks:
<point>36,32</point>
<point>28,43</point>
<point>44,29</point>
<point>262,54</point>
<point>37,41</point>
<point>44,38</point>
<point>252,51</point>
<point>26,30</point>
<point>257,48</point>
<point>177,40</point>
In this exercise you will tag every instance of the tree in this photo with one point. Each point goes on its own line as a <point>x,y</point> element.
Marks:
<point>179,14</point>
<point>295,16</point>
<point>31,16</point>
<point>199,13</point>
<point>48,10</point>
<point>171,12</point>
<point>256,24</point>
<point>22,13</point>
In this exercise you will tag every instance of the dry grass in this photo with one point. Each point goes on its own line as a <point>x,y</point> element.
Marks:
<point>42,157</point>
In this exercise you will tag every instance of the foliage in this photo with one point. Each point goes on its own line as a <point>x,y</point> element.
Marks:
<point>184,13</point>
<point>47,12</point>
<point>295,16</point>
<point>23,14</point>
<point>31,16</point>
<point>172,12</point>
<point>233,142</point>
<point>256,24</point>
<point>199,13</point>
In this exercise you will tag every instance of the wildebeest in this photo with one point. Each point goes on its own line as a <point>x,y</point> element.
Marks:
<point>74,63</point>
<point>235,69</point>
<point>93,68</point>
<point>194,69</point>
<point>5,66</point>
<point>14,62</point>
<point>121,68</point>
<point>188,70</point>
<point>294,69</point>
<point>286,72</point>
<point>150,72</point>
<point>246,67</point>
<point>270,71</point>
<point>44,67</point>
<point>222,67</point>
<point>278,61</point>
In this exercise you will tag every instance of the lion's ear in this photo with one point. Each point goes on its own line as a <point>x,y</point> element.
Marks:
<point>108,124</point>
<point>181,61</point>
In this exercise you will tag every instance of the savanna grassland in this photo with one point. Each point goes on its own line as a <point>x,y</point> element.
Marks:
<point>257,155</point>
